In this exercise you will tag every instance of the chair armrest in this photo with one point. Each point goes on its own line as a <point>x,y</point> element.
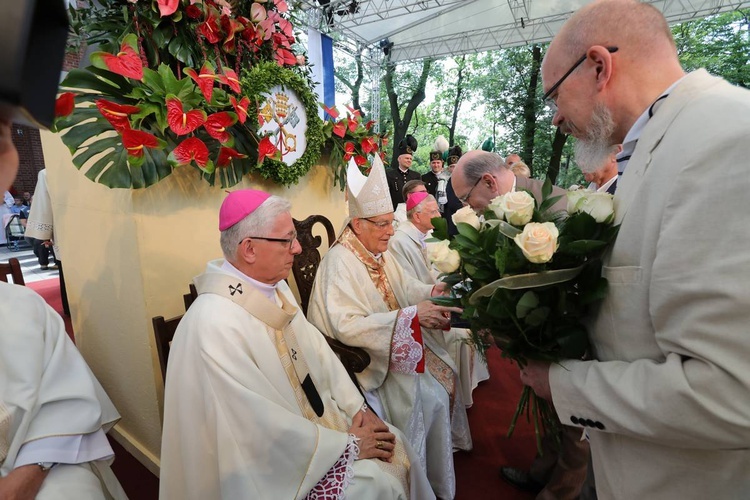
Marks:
<point>354,359</point>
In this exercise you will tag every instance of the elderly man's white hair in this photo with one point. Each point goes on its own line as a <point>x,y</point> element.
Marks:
<point>419,206</point>
<point>257,223</point>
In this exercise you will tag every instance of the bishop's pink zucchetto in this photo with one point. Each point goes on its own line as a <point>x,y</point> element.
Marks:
<point>415,199</point>
<point>238,205</point>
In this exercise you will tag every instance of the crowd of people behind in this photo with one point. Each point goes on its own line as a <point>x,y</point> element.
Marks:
<point>258,406</point>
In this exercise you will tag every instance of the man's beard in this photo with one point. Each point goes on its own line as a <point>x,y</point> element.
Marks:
<point>593,151</point>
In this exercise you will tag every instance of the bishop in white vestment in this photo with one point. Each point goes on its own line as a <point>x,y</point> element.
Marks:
<point>362,297</point>
<point>257,406</point>
<point>409,248</point>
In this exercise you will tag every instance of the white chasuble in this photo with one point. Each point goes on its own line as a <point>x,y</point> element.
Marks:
<point>346,304</point>
<point>47,390</point>
<point>406,247</point>
<point>237,423</point>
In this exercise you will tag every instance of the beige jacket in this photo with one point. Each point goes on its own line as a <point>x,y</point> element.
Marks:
<point>668,403</point>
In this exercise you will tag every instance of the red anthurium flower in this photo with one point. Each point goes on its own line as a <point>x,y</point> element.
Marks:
<point>287,28</point>
<point>339,128</point>
<point>355,112</point>
<point>332,112</point>
<point>167,7</point>
<point>226,155</point>
<point>353,124</point>
<point>360,160</point>
<point>257,12</point>
<point>204,80</point>
<point>188,150</point>
<point>348,150</point>
<point>181,122</point>
<point>135,140</point>
<point>127,62</point>
<point>116,114</point>
<point>210,28</point>
<point>216,125</point>
<point>230,78</point>
<point>240,107</point>
<point>369,145</point>
<point>64,104</point>
<point>266,149</point>
<point>193,12</point>
<point>231,27</point>
<point>285,57</point>
<point>369,124</point>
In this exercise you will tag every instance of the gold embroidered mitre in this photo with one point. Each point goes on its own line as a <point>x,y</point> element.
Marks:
<point>368,196</point>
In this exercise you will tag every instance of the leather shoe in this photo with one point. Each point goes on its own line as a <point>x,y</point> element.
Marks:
<point>520,479</point>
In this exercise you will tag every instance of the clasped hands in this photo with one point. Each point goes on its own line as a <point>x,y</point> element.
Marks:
<point>375,440</point>
<point>536,375</point>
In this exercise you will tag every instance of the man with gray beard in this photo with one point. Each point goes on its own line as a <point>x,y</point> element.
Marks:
<point>664,399</point>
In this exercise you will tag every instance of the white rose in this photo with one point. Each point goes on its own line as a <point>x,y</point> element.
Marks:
<point>468,216</point>
<point>518,207</point>
<point>496,206</point>
<point>573,198</point>
<point>538,241</point>
<point>441,255</point>
<point>600,206</point>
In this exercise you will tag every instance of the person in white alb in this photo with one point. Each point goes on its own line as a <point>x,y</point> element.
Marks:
<point>256,403</point>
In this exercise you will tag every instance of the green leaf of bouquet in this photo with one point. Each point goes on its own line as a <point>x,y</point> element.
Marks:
<point>582,247</point>
<point>573,341</point>
<point>465,242</point>
<point>99,80</point>
<point>169,80</point>
<point>446,301</point>
<point>526,303</point>
<point>594,292</point>
<point>548,203</point>
<point>538,316</point>
<point>501,259</point>
<point>468,231</point>
<point>441,228</point>
<point>180,49</point>
<point>580,226</point>
<point>546,188</point>
<point>153,81</point>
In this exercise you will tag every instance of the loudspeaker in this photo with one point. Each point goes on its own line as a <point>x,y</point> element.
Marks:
<point>33,35</point>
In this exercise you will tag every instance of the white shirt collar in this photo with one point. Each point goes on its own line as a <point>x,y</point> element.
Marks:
<point>603,188</point>
<point>268,290</point>
<point>631,138</point>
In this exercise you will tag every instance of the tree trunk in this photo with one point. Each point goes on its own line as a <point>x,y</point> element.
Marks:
<point>401,125</point>
<point>529,110</point>
<point>355,86</point>
<point>557,149</point>
<point>457,101</point>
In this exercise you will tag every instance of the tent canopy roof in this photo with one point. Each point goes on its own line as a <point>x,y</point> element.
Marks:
<point>436,28</point>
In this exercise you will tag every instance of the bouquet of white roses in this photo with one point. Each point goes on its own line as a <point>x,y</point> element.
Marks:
<point>528,276</point>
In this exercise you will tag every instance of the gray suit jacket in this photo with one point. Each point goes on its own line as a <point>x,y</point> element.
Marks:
<point>667,403</point>
<point>535,186</point>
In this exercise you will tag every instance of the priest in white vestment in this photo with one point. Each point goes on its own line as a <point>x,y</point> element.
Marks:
<point>363,298</point>
<point>408,246</point>
<point>53,412</point>
<point>257,406</point>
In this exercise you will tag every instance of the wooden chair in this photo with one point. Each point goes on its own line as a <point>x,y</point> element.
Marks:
<point>164,331</point>
<point>354,359</point>
<point>12,268</point>
<point>189,298</point>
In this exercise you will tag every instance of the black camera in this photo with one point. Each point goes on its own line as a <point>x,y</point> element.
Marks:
<point>33,35</point>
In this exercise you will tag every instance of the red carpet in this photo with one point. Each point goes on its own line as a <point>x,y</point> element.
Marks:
<point>477,471</point>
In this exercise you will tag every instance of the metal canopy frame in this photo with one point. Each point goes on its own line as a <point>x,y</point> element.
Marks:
<point>438,28</point>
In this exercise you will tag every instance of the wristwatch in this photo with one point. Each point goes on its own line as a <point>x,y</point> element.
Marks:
<point>45,466</point>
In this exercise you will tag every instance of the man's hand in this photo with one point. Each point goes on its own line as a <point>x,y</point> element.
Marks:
<point>435,316</point>
<point>375,440</point>
<point>23,483</point>
<point>536,375</point>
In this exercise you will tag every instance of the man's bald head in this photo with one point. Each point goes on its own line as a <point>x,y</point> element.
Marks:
<point>479,177</point>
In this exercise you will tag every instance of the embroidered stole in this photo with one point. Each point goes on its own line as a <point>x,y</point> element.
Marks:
<point>437,367</point>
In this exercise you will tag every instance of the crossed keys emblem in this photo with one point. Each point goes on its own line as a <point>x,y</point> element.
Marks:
<point>233,289</point>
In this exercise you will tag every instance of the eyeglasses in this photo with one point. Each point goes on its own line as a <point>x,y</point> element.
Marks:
<point>379,224</point>
<point>289,241</point>
<point>465,199</point>
<point>551,103</point>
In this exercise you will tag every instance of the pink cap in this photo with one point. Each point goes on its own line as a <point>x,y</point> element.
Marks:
<point>238,205</point>
<point>415,199</point>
